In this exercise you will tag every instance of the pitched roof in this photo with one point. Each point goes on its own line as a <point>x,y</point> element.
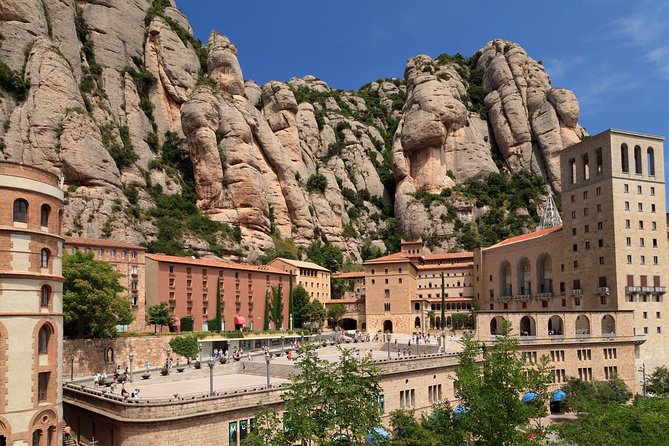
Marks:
<point>349,275</point>
<point>214,263</point>
<point>396,257</point>
<point>107,243</point>
<point>529,236</point>
<point>301,264</point>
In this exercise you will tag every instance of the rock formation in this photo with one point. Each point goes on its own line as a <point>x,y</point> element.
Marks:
<point>137,115</point>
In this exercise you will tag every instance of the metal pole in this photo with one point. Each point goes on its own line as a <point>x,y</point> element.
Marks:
<point>443,341</point>
<point>211,377</point>
<point>132,357</point>
<point>267,362</point>
<point>417,345</point>
<point>388,337</point>
<point>72,368</point>
<point>282,349</point>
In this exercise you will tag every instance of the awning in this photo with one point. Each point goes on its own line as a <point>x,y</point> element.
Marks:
<point>240,320</point>
<point>460,409</point>
<point>529,397</point>
<point>558,395</point>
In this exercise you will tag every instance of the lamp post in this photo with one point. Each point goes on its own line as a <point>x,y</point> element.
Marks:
<point>168,350</point>
<point>443,341</point>
<point>72,368</point>
<point>282,349</point>
<point>388,337</point>
<point>211,363</point>
<point>417,345</point>
<point>132,358</point>
<point>268,357</point>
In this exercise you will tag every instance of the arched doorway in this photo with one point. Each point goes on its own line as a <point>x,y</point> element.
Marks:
<point>387,326</point>
<point>545,273</point>
<point>555,326</point>
<point>582,325</point>
<point>608,325</point>
<point>348,324</point>
<point>505,279</point>
<point>496,325</point>
<point>524,276</point>
<point>527,326</point>
<point>416,322</point>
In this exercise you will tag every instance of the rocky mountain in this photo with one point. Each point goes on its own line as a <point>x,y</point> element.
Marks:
<point>161,140</point>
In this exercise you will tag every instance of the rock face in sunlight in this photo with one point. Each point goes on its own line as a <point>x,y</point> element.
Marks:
<point>142,120</point>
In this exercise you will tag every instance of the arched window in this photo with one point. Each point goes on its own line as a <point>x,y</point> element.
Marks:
<point>624,158</point>
<point>637,160</point>
<point>506,288</point>
<point>43,340</point>
<point>572,171</point>
<point>582,325</point>
<point>528,326</point>
<point>20,211</point>
<point>650,155</point>
<point>44,215</point>
<point>586,166</point>
<point>608,325</point>
<point>45,296</point>
<point>524,277</point>
<point>44,258</point>
<point>600,161</point>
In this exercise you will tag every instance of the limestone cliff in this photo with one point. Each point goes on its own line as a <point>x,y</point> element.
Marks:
<point>160,140</point>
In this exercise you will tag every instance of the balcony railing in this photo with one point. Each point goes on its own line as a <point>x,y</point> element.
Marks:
<point>632,289</point>
<point>660,289</point>
<point>576,293</point>
<point>604,290</point>
<point>647,289</point>
<point>505,297</point>
<point>543,295</point>
<point>522,296</point>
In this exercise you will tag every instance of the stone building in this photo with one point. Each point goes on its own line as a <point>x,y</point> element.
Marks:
<point>126,258</point>
<point>189,287</point>
<point>31,308</point>
<point>601,275</point>
<point>314,278</point>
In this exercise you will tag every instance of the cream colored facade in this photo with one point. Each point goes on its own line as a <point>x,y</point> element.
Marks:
<point>31,307</point>
<point>610,254</point>
<point>314,278</point>
<point>127,259</point>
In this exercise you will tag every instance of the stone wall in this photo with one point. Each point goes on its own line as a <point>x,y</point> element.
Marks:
<point>91,355</point>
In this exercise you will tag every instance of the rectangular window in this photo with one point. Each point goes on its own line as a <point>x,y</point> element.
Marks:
<point>386,307</point>
<point>653,226</point>
<point>642,260</point>
<point>640,207</point>
<point>587,245</point>
<point>598,191</point>
<point>572,198</point>
<point>629,259</point>
<point>386,293</point>
<point>599,208</point>
<point>42,386</point>
<point>585,194</point>
<point>585,212</point>
<point>627,205</point>
<point>601,260</point>
<point>586,229</point>
<point>642,242</point>
<point>600,242</point>
<point>573,215</point>
<point>600,225</point>
<point>626,188</point>
<point>652,208</point>
<point>628,241</point>
<point>232,433</point>
<point>640,224</point>
<point>652,190</point>
<point>638,190</point>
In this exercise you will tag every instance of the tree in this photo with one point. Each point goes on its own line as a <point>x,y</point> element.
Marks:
<point>187,323</point>
<point>268,309</point>
<point>491,390</point>
<point>326,255</point>
<point>216,324</point>
<point>277,307</point>
<point>314,314</point>
<point>91,301</point>
<point>586,396</point>
<point>326,401</point>
<point>185,346</point>
<point>658,383</point>
<point>644,422</point>
<point>317,182</point>
<point>160,315</point>
<point>431,317</point>
<point>335,312</point>
<point>300,299</point>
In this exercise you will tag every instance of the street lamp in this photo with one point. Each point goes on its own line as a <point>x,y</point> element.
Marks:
<point>282,349</point>
<point>72,368</point>
<point>443,341</point>
<point>268,358</point>
<point>417,345</point>
<point>132,358</point>
<point>211,363</point>
<point>388,337</point>
<point>199,351</point>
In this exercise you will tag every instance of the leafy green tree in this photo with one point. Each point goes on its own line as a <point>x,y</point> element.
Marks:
<point>658,383</point>
<point>268,310</point>
<point>326,255</point>
<point>314,314</point>
<point>326,401</point>
<point>187,323</point>
<point>335,313</point>
<point>491,390</point>
<point>277,307</point>
<point>216,323</point>
<point>160,314</point>
<point>644,422</point>
<point>585,396</point>
<point>408,431</point>
<point>185,346</point>
<point>91,300</point>
<point>300,298</point>
<point>317,182</point>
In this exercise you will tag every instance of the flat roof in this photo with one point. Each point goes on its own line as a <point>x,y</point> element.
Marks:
<point>215,263</point>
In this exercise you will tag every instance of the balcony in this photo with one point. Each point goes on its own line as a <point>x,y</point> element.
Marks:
<point>602,291</point>
<point>543,295</point>
<point>522,296</point>
<point>647,290</point>
<point>576,293</point>
<point>173,298</point>
<point>632,289</point>
<point>660,289</point>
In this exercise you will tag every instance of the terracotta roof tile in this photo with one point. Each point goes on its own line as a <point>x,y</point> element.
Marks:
<point>448,255</point>
<point>214,263</point>
<point>95,242</point>
<point>446,266</point>
<point>398,256</point>
<point>529,236</point>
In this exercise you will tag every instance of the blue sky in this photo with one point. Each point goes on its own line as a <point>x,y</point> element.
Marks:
<point>613,54</point>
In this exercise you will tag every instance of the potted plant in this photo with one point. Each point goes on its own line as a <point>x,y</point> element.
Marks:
<point>180,368</point>
<point>122,378</point>
<point>197,364</point>
<point>109,382</point>
<point>223,360</point>
<point>164,371</point>
<point>146,375</point>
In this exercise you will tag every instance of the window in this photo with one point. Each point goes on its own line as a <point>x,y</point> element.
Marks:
<point>123,254</point>
<point>652,191</point>
<point>639,190</point>
<point>640,224</point>
<point>652,208</point>
<point>43,338</point>
<point>600,226</point>
<point>587,245</point>
<point>642,242</point>
<point>629,259</point>
<point>133,255</point>
<point>650,157</point>
<point>586,229</point>
<point>171,268</point>
<point>20,211</point>
<point>573,231</point>
<point>627,205</point>
<point>585,212</point>
<point>653,226</point>
<point>44,215</point>
<point>585,194</point>
<point>640,207</point>
<point>628,241</point>
<point>573,215</point>
<point>42,386</point>
<point>585,373</point>
<point>624,158</point>
<point>572,198</point>
<point>574,247</point>
<point>45,296</point>
<point>44,258</point>
<point>600,242</point>
<point>386,293</point>
<point>642,260</point>
<point>627,224</point>
<point>655,260</point>
<point>559,376</point>
<point>626,188</point>
<point>601,260</point>
<point>610,372</point>
<point>599,208</point>
<point>637,160</point>
<point>386,307</point>
<point>598,190</point>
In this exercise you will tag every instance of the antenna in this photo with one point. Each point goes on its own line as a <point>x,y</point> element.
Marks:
<point>550,217</point>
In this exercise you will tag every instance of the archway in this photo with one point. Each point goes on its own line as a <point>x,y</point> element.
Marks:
<point>449,321</point>
<point>524,278</point>
<point>608,325</point>
<point>545,273</point>
<point>387,326</point>
<point>528,326</point>
<point>44,428</point>
<point>582,325</point>
<point>348,324</point>
<point>496,325</point>
<point>416,322</point>
<point>505,279</point>
<point>555,326</point>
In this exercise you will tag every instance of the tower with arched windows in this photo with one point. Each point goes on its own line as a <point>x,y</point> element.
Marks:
<point>31,321</point>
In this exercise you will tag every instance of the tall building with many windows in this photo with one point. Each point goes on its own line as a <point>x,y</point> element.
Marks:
<point>31,311</point>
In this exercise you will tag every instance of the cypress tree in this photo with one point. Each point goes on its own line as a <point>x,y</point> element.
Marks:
<point>265,322</point>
